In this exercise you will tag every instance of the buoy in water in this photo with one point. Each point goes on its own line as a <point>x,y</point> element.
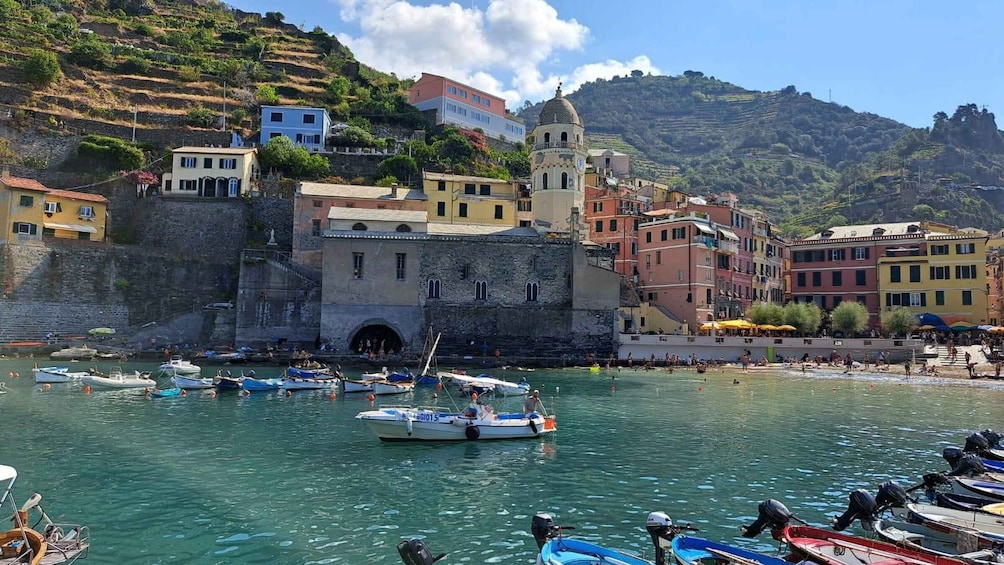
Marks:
<point>331,396</point>
<point>184,392</point>
<point>47,386</point>
<point>17,375</point>
<point>212,394</point>
<point>371,397</point>
<point>87,389</point>
<point>439,385</point>
<point>700,388</point>
<point>434,395</point>
<point>247,393</point>
<point>289,393</point>
<point>613,389</point>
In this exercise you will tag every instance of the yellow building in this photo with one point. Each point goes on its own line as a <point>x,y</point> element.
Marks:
<point>941,271</point>
<point>21,203</point>
<point>212,172</point>
<point>457,199</point>
<point>74,215</point>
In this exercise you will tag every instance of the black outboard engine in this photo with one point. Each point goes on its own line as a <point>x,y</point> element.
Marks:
<point>415,552</point>
<point>543,528</point>
<point>862,506</point>
<point>969,466</point>
<point>953,455</point>
<point>891,495</point>
<point>770,513</point>
<point>660,527</point>
<point>976,443</point>
<point>993,437</point>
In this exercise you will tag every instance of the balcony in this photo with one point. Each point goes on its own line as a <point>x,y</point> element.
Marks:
<point>559,145</point>
<point>728,246</point>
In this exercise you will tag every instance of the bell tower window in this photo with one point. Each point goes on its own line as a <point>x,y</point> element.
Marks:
<point>544,181</point>
<point>564,180</point>
<point>547,138</point>
<point>564,136</point>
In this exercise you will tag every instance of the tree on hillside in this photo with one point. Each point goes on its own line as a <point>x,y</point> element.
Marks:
<point>849,318</point>
<point>8,9</point>
<point>399,166</point>
<point>91,52</point>
<point>265,94</point>
<point>282,155</point>
<point>41,68</point>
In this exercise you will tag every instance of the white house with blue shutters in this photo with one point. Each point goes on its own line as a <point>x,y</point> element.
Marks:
<point>308,127</point>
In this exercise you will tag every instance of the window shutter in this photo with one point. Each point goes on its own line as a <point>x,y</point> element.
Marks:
<point>867,252</point>
<point>923,299</point>
<point>15,227</point>
<point>59,207</point>
<point>33,229</point>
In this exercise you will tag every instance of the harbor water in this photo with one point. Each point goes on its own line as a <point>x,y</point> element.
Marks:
<point>274,479</point>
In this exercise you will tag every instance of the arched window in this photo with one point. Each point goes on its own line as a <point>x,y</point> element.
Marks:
<point>564,180</point>
<point>433,288</point>
<point>547,138</point>
<point>480,290</point>
<point>403,228</point>
<point>359,227</point>
<point>544,181</point>
<point>564,136</point>
<point>234,189</point>
<point>531,292</point>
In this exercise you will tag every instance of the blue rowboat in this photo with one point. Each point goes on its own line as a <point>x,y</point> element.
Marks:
<point>555,549</point>
<point>261,384</point>
<point>562,550</point>
<point>165,392</point>
<point>691,551</point>
<point>192,382</point>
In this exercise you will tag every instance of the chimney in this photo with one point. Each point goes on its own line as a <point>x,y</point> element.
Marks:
<point>393,190</point>
<point>5,172</point>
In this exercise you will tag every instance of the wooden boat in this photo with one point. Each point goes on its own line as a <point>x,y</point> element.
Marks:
<point>165,392</point>
<point>192,383</point>
<point>253,384</point>
<point>962,501</point>
<point>56,374</point>
<point>179,366</point>
<point>833,548</point>
<point>117,379</point>
<point>951,520</point>
<point>696,551</point>
<point>316,383</point>
<point>81,352</point>
<point>392,387</point>
<point>969,546</point>
<point>405,423</point>
<point>226,381</point>
<point>23,544</point>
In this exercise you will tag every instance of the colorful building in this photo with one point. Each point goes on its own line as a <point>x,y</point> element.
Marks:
<point>29,210</point>
<point>212,172</point>
<point>460,199</point>
<point>69,214</point>
<point>613,214</point>
<point>927,267</point>
<point>558,166</point>
<point>307,127</point>
<point>461,105</point>
<point>312,202</point>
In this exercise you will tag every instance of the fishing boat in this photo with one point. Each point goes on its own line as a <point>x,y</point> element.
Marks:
<point>556,549</point>
<point>80,352</point>
<point>251,384</point>
<point>392,387</point>
<point>115,378</point>
<point>165,392</point>
<point>25,544</point>
<point>316,383</point>
<point>365,383</point>
<point>56,374</point>
<point>697,551</point>
<point>486,383</point>
<point>309,373</point>
<point>478,422</point>
<point>176,365</point>
<point>193,383</point>
<point>833,548</point>
<point>225,380</point>
<point>951,520</point>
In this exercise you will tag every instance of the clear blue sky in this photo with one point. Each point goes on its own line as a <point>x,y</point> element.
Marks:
<point>901,59</point>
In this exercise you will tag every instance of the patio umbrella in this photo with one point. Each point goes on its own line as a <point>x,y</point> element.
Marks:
<point>926,327</point>
<point>997,330</point>
<point>786,327</point>
<point>961,326</point>
<point>707,326</point>
<point>736,324</point>
<point>767,327</point>
<point>101,331</point>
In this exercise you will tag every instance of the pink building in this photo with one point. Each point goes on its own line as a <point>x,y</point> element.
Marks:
<point>464,106</point>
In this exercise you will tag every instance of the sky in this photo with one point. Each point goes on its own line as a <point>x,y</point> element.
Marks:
<point>900,59</point>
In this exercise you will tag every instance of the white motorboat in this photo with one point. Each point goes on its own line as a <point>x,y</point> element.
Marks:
<point>950,520</point>
<point>178,366</point>
<point>486,383</point>
<point>117,379</point>
<point>403,423</point>
<point>56,374</point>
<point>23,543</point>
<point>193,383</point>
<point>315,383</point>
<point>392,387</point>
<point>81,352</point>
<point>366,382</point>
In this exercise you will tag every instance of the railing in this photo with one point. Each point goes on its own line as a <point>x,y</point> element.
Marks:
<point>558,145</point>
<point>728,246</point>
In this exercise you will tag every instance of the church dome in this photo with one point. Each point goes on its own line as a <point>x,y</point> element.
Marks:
<point>559,110</point>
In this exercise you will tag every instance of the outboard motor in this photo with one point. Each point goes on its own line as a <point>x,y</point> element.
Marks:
<point>543,528</point>
<point>970,465</point>
<point>953,455</point>
<point>660,527</point>
<point>770,513</point>
<point>891,495</point>
<point>976,443</point>
<point>415,552</point>
<point>993,437</point>
<point>862,506</point>
<point>930,482</point>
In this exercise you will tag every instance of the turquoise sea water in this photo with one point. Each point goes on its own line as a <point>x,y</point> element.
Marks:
<point>271,479</point>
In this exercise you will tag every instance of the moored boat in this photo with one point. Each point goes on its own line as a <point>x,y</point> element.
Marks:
<point>192,383</point>
<point>318,383</point>
<point>176,365</point>
<point>79,352</point>
<point>833,548</point>
<point>556,549</point>
<point>165,392</point>
<point>392,387</point>
<point>116,379</point>
<point>404,423</point>
<point>251,384</point>
<point>690,551</point>
<point>226,381</point>
<point>56,374</point>
<point>25,544</point>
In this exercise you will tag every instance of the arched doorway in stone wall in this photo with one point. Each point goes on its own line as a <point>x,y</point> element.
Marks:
<point>375,337</point>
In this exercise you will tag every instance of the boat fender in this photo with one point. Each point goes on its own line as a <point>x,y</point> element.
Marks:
<point>533,427</point>
<point>472,432</point>
<point>408,424</point>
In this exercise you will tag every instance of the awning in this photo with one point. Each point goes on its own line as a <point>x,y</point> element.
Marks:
<point>704,228</point>
<point>728,234</point>
<point>70,227</point>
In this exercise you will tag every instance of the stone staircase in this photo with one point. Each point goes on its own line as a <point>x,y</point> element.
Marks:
<point>944,360</point>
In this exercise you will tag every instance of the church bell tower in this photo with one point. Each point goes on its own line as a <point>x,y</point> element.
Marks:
<point>558,166</point>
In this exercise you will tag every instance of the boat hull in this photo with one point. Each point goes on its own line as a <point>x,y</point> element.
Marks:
<point>431,424</point>
<point>688,551</point>
<point>115,383</point>
<point>309,384</point>
<point>400,387</point>
<point>165,392</point>
<point>57,375</point>
<point>349,385</point>
<point>250,384</point>
<point>832,548</point>
<point>192,384</point>
<point>561,551</point>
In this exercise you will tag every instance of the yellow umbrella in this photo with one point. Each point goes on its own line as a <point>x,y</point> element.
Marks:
<point>926,327</point>
<point>707,326</point>
<point>768,327</point>
<point>787,328</point>
<point>736,324</point>
<point>997,330</point>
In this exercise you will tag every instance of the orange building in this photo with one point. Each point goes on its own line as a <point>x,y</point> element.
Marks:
<point>465,106</point>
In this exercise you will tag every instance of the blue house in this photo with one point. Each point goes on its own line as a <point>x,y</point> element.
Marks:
<point>308,127</point>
